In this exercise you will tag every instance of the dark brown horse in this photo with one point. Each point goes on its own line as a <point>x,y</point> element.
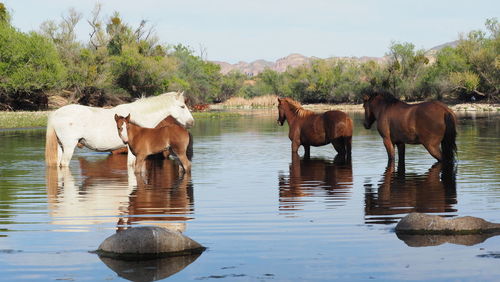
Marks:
<point>144,142</point>
<point>429,123</point>
<point>308,128</point>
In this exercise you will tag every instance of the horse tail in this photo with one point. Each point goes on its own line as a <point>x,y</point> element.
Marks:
<point>448,146</point>
<point>189,151</point>
<point>50,145</point>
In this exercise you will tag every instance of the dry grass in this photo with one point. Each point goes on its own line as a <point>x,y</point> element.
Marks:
<point>266,101</point>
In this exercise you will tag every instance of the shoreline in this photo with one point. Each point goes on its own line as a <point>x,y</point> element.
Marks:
<point>459,108</point>
<point>25,119</point>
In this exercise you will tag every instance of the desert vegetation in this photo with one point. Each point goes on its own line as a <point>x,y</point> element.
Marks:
<point>119,62</point>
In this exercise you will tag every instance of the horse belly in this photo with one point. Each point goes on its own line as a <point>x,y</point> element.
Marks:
<point>312,137</point>
<point>100,133</point>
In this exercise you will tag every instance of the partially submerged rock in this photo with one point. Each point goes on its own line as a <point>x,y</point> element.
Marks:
<point>419,223</point>
<point>147,243</point>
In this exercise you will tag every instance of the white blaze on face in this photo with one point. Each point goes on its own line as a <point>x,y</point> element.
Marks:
<point>123,132</point>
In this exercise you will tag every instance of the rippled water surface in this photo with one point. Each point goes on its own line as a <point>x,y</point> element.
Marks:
<point>263,215</point>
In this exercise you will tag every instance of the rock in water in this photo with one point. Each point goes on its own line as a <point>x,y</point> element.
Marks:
<point>148,242</point>
<point>419,223</point>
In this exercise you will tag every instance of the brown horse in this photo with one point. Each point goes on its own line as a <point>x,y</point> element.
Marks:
<point>144,142</point>
<point>308,128</point>
<point>399,123</point>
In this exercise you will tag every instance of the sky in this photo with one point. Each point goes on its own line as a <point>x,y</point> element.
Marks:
<point>234,30</point>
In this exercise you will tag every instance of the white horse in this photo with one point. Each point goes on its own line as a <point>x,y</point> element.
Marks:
<point>95,128</point>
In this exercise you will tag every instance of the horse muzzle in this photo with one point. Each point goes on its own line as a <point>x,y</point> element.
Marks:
<point>190,123</point>
<point>367,125</point>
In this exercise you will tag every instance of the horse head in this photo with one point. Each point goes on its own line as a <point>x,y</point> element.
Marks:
<point>180,111</point>
<point>281,111</point>
<point>121,125</point>
<point>369,115</point>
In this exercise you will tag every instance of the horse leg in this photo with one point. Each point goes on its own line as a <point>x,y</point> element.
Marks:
<point>180,152</point>
<point>348,146</point>
<point>295,146</point>
<point>185,163</point>
<point>389,147</point>
<point>68,147</point>
<point>139,163</point>
<point>339,146</point>
<point>130,157</point>
<point>59,154</point>
<point>401,153</point>
<point>307,151</point>
<point>434,150</point>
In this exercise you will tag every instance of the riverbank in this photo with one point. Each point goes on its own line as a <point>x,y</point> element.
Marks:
<point>271,101</point>
<point>9,120</point>
<point>39,119</point>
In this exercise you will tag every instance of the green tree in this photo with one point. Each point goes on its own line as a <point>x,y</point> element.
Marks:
<point>4,15</point>
<point>481,52</point>
<point>142,75</point>
<point>405,69</point>
<point>29,65</point>
<point>201,79</point>
<point>231,85</point>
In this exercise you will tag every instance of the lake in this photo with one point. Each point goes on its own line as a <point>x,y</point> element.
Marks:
<point>262,215</point>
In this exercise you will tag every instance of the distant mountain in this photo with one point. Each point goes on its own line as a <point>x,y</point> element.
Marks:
<point>449,44</point>
<point>296,60</point>
<point>250,69</point>
<point>281,65</point>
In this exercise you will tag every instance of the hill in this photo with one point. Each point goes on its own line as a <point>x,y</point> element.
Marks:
<point>295,60</point>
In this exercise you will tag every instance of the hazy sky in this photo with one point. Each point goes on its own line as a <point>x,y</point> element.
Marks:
<point>232,30</point>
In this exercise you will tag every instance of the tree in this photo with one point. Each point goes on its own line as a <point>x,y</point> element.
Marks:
<point>4,15</point>
<point>405,69</point>
<point>201,79</point>
<point>481,52</point>
<point>29,65</point>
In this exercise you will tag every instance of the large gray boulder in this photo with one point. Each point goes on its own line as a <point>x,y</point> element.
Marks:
<point>148,242</point>
<point>419,223</point>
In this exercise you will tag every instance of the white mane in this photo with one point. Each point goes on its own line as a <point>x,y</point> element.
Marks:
<point>153,103</point>
<point>148,111</point>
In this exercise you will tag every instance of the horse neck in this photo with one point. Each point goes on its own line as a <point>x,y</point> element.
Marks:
<point>133,130</point>
<point>382,106</point>
<point>290,114</point>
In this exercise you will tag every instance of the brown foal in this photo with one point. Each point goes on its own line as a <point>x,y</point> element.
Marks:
<point>143,142</point>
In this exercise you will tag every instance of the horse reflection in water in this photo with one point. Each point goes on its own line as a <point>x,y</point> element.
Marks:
<point>400,193</point>
<point>107,190</point>
<point>165,196</point>
<point>308,178</point>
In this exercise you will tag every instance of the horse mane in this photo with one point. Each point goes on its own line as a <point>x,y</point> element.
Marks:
<point>153,103</point>
<point>297,108</point>
<point>387,96</point>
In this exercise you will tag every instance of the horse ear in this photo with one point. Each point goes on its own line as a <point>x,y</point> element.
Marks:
<point>116,117</point>
<point>127,118</point>
<point>366,98</point>
<point>279,100</point>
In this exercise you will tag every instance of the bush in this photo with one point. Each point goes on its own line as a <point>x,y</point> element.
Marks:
<point>29,65</point>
